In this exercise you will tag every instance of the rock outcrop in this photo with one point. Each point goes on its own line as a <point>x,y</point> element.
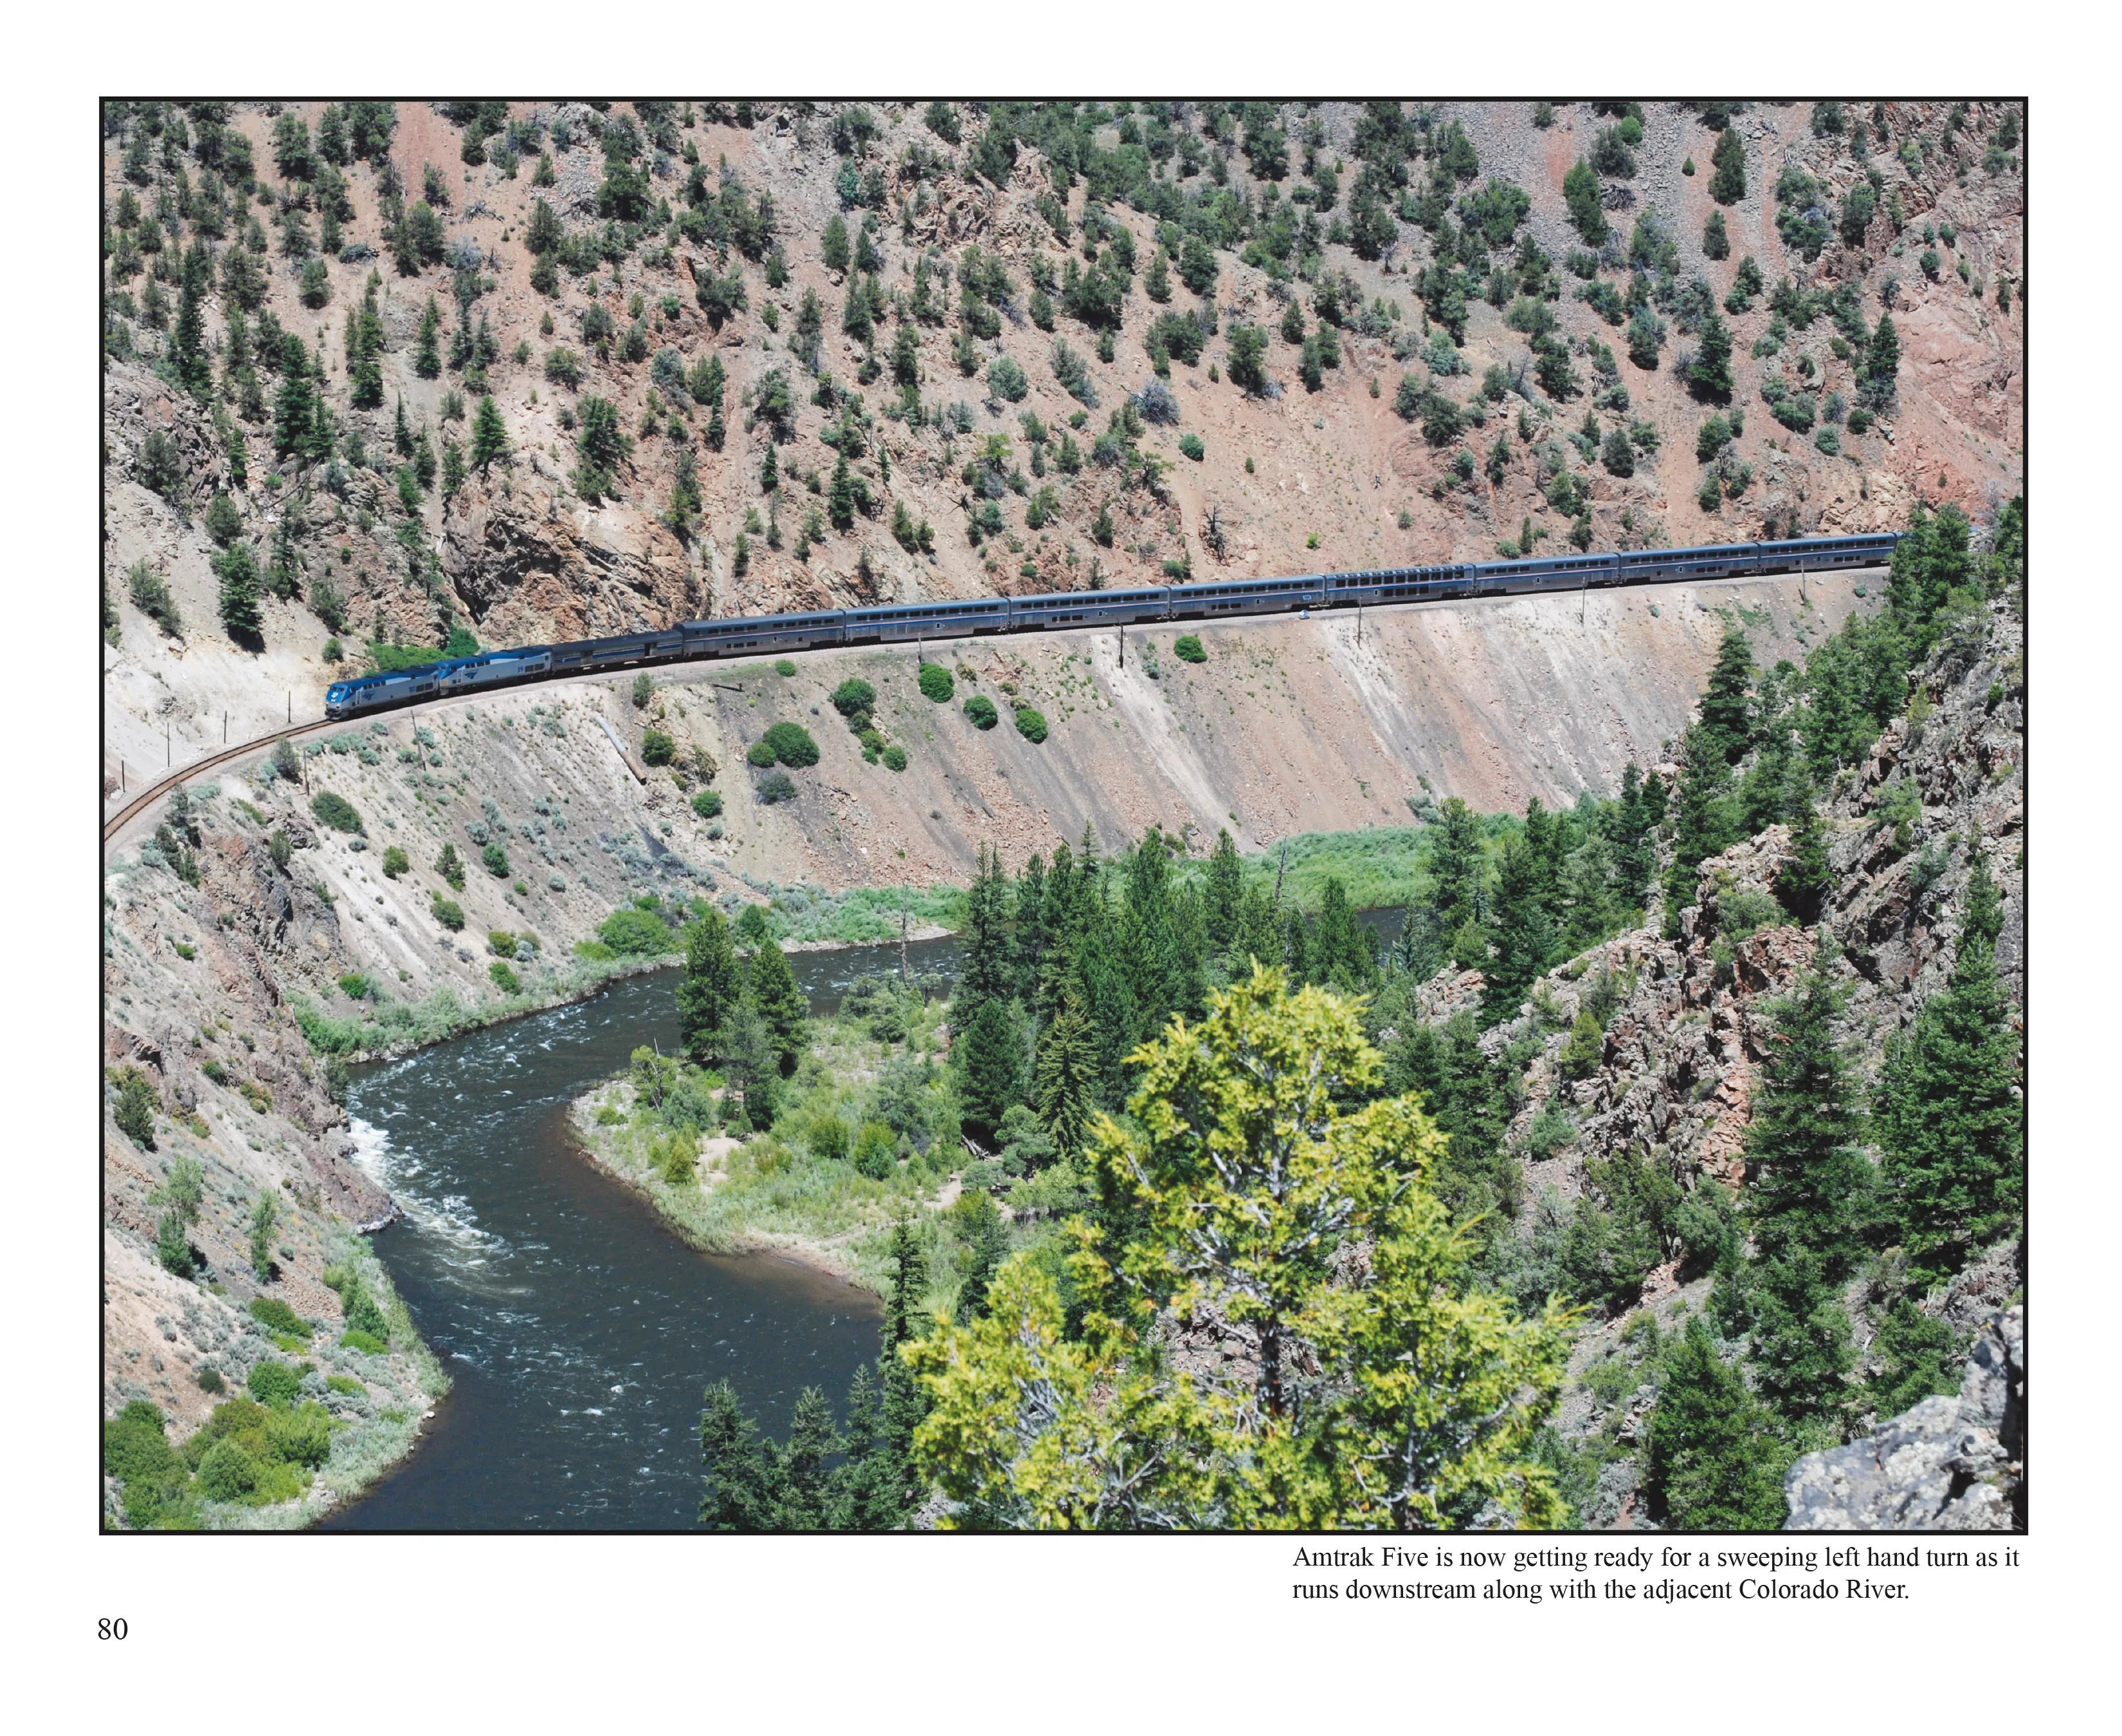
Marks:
<point>1952,1464</point>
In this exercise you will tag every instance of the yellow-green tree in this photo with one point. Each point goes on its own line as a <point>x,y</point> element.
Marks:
<point>1374,1388</point>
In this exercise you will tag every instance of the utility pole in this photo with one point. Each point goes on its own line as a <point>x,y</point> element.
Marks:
<point>1123,645</point>
<point>290,705</point>
<point>224,728</point>
<point>168,752</point>
<point>902,937</point>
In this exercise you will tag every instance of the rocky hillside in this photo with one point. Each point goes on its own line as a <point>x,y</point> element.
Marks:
<point>660,298</point>
<point>1686,1022</point>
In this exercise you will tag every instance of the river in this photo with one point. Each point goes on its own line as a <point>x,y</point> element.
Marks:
<point>579,1331</point>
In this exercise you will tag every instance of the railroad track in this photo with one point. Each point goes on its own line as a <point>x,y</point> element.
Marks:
<point>115,823</point>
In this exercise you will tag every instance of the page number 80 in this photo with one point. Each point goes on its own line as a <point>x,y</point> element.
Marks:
<point>110,1627</point>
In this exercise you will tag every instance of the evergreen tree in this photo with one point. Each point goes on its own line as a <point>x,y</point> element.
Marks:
<point>987,1245</point>
<point>1030,941</point>
<point>189,353</point>
<point>1882,363</point>
<point>985,972</point>
<point>1710,373</point>
<point>1067,1086</point>
<point>489,434</point>
<point>770,990</point>
<point>1342,953</point>
<point>1456,867</point>
<point>426,354</point>
<point>1931,564</point>
<point>712,986</point>
<point>295,405</point>
<point>1728,184</point>
<point>1726,719</point>
<point>1225,890</point>
<point>1803,884</point>
<point>1951,1108</point>
<point>241,590</point>
<point>736,1495</point>
<point>1712,1461</point>
<point>1703,821</point>
<point>840,496</point>
<point>1808,1179</point>
<point>685,509</point>
<point>991,1061</point>
<point>1523,932</point>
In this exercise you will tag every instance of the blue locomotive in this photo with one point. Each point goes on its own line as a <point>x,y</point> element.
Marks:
<point>890,622</point>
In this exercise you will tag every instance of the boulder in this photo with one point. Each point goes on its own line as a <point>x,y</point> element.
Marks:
<point>1952,1464</point>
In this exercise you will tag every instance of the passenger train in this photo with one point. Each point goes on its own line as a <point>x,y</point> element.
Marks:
<point>885,623</point>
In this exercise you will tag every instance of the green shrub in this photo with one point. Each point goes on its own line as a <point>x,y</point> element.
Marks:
<point>981,710</point>
<point>784,667</point>
<point>1190,444</point>
<point>633,933</point>
<point>274,1383</point>
<point>451,866</point>
<point>657,748</point>
<point>504,979</point>
<point>1188,648</point>
<point>226,1473</point>
<point>501,943</point>
<point>854,695</point>
<point>334,810</point>
<point>495,860</point>
<point>448,912</point>
<point>270,1311</point>
<point>644,690</point>
<point>367,1343</point>
<point>876,1150</point>
<point>758,753</point>
<point>395,862</point>
<point>792,745</point>
<point>1030,724</point>
<point>776,787</point>
<point>935,682</point>
<point>302,1437</point>
<point>708,804</point>
<point>354,986</point>
<point>894,758</point>
<point>137,1104</point>
<point>210,1381</point>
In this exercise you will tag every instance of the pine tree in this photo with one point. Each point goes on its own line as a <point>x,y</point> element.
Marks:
<point>685,509</point>
<point>427,354</point>
<point>1882,363</point>
<point>1951,1107</point>
<point>240,590</point>
<point>1727,185</point>
<point>1703,821</point>
<point>1226,890</point>
<point>1456,867</point>
<point>1712,1461</point>
<point>990,1059</point>
<point>1808,1178</point>
<point>1028,953</point>
<point>1726,715</point>
<point>735,1496</point>
<point>771,991</point>
<point>840,498</point>
<point>401,430</point>
<point>1066,1083</point>
<point>1345,956</point>
<point>983,974</point>
<point>1523,933</point>
<point>489,434</point>
<point>188,343</point>
<point>295,405</point>
<point>1803,884</point>
<point>1710,372</point>
<point>712,986</point>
